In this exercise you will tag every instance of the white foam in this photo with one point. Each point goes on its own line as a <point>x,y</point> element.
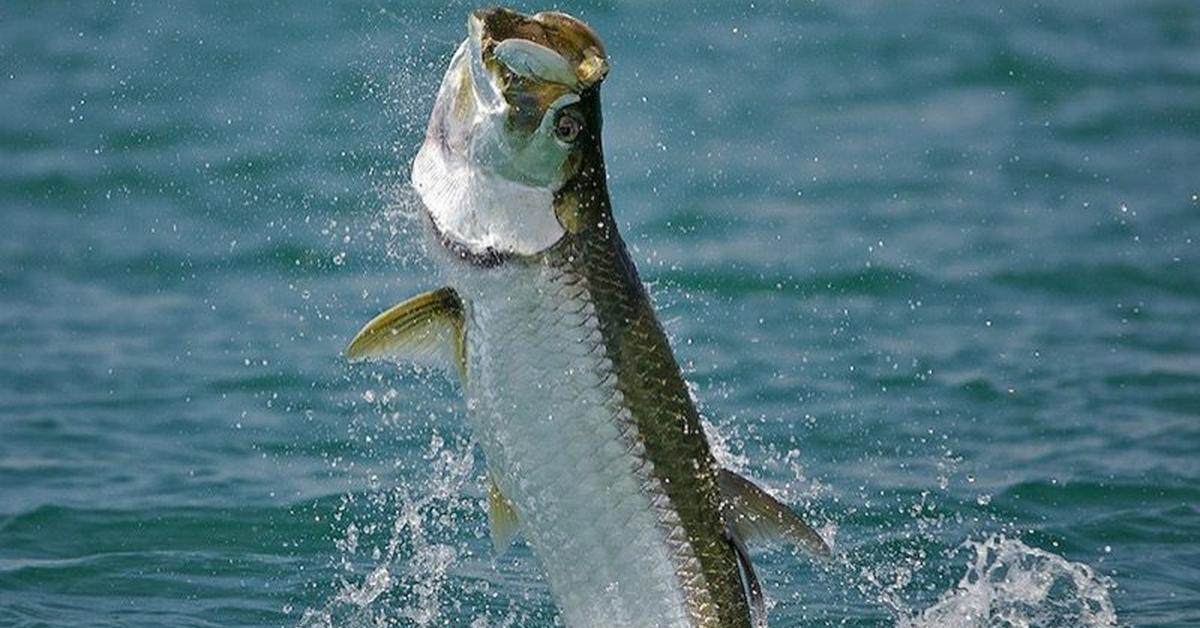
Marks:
<point>1009,584</point>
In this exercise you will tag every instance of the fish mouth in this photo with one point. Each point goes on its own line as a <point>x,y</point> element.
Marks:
<point>518,54</point>
<point>515,67</point>
<point>493,157</point>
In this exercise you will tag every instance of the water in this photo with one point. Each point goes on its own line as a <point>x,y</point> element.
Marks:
<point>932,268</point>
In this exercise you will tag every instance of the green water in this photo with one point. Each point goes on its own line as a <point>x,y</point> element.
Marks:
<point>932,268</point>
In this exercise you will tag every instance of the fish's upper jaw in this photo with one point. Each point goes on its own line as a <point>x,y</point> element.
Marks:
<point>548,47</point>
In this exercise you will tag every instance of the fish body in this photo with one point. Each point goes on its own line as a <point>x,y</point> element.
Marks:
<point>563,444</point>
<point>594,446</point>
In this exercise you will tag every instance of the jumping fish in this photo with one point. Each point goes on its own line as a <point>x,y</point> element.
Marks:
<point>595,449</point>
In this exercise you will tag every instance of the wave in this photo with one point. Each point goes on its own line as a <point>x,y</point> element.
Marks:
<point>1102,280</point>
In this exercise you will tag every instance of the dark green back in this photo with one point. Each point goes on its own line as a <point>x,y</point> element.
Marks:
<point>649,377</point>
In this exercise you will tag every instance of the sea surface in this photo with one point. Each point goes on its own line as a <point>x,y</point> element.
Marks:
<point>932,268</point>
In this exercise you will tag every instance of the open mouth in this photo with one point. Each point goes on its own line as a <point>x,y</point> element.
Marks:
<point>501,141</point>
<point>547,47</point>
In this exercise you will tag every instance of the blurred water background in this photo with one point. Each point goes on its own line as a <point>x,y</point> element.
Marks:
<point>932,267</point>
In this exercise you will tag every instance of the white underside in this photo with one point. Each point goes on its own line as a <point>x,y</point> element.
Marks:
<point>546,410</point>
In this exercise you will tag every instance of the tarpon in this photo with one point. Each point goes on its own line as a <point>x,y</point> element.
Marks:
<point>595,450</point>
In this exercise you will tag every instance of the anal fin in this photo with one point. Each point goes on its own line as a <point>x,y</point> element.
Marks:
<point>502,518</point>
<point>754,515</point>
<point>417,330</point>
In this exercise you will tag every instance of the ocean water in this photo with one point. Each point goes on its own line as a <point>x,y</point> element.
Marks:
<point>931,266</point>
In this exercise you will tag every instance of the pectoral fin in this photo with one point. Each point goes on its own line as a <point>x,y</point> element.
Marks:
<point>502,518</point>
<point>753,515</point>
<point>417,330</point>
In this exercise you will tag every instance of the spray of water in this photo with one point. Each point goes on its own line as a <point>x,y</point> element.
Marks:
<point>412,562</point>
<point>1010,584</point>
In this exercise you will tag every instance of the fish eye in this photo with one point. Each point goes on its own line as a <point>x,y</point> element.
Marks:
<point>567,127</point>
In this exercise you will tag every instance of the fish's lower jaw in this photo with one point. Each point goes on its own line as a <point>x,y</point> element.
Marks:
<point>485,88</point>
<point>483,213</point>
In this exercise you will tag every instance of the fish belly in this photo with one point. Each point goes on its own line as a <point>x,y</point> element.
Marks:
<point>563,447</point>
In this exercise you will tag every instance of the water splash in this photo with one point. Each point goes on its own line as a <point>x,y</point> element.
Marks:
<point>1009,584</point>
<point>402,574</point>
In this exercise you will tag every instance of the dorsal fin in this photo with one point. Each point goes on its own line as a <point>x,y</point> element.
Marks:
<point>753,515</point>
<point>417,330</point>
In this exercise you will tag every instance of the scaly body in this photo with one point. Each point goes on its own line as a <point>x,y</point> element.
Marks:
<point>554,381</point>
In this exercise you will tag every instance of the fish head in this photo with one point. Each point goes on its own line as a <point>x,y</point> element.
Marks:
<point>517,118</point>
